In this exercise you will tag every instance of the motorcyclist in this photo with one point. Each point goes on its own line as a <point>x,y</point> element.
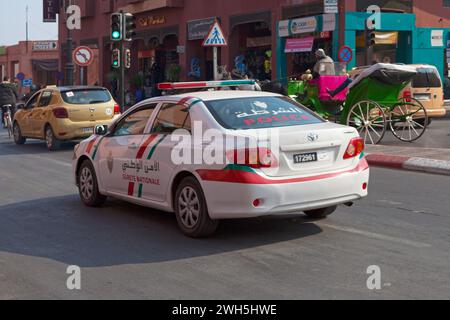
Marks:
<point>8,96</point>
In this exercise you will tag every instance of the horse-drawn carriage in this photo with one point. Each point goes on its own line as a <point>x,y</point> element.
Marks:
<point>371,103</point>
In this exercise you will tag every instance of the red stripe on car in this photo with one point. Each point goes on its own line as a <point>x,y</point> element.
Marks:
<point>245,177</point>
<point>142,149</point>
<point>131,189</point>
<point>90,146</point>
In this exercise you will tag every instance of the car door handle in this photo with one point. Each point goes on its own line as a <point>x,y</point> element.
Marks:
<point>133,146</point>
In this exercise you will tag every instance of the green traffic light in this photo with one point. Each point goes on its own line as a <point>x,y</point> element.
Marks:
<point>116,63</point>
<point>116,34</point>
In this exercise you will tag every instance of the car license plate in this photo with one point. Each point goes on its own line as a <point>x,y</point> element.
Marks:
<point>306,157</point>
<point>88,130</point>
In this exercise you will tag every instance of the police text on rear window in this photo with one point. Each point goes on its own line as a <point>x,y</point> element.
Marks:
<point>86,97</point>
<point>260,113</point>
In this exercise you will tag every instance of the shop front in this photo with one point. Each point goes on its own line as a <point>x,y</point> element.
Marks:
<point>250,45</point>
<point>298,40</point>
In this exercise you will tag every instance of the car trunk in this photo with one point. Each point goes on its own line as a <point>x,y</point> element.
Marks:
<point>92,112</point>
<point>312,149</point>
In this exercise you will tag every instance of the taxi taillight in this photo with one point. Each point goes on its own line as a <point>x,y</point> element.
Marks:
<point>355,148</point>
<point>256,158</point>
<point>61,113</point>
<point>116,109</point>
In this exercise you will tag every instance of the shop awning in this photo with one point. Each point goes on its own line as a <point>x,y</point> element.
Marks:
<point>45,65</point>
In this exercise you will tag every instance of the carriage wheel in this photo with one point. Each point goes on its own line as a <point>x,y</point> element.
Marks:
<point>369,119</point>
<point>409,120</point>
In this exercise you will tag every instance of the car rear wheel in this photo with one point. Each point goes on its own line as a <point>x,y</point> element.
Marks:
<point>18,138</point>
<point>191,210</point>
<point>320,213</point>
<point>88,186</point>
<point>51,141</point>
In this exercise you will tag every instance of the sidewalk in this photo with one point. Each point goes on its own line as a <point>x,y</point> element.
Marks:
<point>410,158</point>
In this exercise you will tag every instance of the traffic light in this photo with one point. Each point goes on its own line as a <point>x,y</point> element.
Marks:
<point>371,38</point>
<point>129,26</point>
<point>116,27</point>
<point>116,58</point>
<point>127,59</point>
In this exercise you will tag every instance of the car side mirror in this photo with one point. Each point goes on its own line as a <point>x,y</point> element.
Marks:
<point>20,106</point>
<point>101,130</point>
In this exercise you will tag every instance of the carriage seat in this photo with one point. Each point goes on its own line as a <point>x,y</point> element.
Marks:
<point>330,82</point>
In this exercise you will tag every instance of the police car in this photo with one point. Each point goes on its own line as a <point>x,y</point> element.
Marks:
<point>222,154</point>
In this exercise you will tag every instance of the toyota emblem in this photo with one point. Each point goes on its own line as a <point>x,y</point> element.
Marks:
<point>312,137</point>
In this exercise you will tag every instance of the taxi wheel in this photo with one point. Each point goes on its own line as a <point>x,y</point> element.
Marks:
<point>18,138</point>
<point>51,141</point>
<point>191,210</point>
<point>88,186</point>
<point>320,213</point>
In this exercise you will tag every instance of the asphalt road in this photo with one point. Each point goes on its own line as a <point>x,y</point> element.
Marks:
<point>129,252</point>
<point>436,136</point>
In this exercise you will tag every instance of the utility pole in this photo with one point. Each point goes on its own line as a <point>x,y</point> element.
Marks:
<point>70,67</point>
<point>26,27</point>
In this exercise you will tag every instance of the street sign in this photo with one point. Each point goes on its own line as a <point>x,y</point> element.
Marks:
<point>27,82</point>
<point>331,6</point>
<point>45,45</point>
<point>20,76</point>
<point>345,54</point>
<point>83,56</point>
<point>215,37</point>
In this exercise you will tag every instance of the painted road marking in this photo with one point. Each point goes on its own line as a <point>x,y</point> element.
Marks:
<point>376,236</point>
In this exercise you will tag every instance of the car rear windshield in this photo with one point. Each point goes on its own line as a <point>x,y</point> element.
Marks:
<point>260,113</point>
<point>86,96</point>
<point>426,78</point>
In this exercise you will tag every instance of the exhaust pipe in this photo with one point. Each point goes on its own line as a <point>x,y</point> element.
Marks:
<point>349,204</point>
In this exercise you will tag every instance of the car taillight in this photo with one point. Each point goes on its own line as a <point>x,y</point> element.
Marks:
<point>256,158</point>
<point>355,148</point>
<point>60,113</point>
<point>116,109</point>
<point>407,95</point>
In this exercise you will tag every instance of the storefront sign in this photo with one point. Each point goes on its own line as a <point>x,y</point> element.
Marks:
<point>151,21</point>
<point>303,25</point>
<point>198,29</point>
<point>321,23</point>
<point>331,6</point>
<point>45,45</point>
<point>51,8</point>
<point>437,38</point>
<point>259,42</point>
<point>299,45</point>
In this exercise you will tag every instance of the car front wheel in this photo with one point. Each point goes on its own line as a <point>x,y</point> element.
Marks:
<point>18,138</point>
<point>88,186</point>
<point>191,210</point>
<point>321,213</point>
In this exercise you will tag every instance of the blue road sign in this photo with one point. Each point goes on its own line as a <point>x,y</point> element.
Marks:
<point>27,82</point>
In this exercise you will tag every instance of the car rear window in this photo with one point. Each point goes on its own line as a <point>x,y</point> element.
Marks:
<point>260,113</point>
<point>88,96</point>
<point>426,78</point>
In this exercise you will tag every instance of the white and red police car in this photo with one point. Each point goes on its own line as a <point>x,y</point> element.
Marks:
<point>222,154</point>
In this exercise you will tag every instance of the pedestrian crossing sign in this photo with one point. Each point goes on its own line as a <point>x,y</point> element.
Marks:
<point>215,37</point>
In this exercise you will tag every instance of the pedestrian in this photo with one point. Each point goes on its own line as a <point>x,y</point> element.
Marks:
<point>324,65</point>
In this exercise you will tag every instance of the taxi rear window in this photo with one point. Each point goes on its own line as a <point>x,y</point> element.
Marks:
<point>86,96</point>
<point>260,113</point>
<point>427,78</point>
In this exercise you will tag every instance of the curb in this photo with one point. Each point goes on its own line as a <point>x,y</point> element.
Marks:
<point>409,163</point>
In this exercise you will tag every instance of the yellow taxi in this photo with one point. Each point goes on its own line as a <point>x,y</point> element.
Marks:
<point>57,114</point>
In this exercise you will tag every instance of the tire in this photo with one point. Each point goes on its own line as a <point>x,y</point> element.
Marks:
<point>321,213</point>
<point>88,186</point>
<point>53,144</point>
<point>191,210</point>
<point>18,138</point>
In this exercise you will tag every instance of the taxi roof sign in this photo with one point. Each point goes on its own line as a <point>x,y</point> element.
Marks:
<point>203,84</point>
<point>216,37</point>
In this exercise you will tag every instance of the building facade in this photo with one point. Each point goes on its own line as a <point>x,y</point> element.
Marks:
<point>275,38</point>
<point>35,60</point>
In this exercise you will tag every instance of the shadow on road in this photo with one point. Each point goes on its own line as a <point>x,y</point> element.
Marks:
<point>62,229</point>
<point>9,148</point>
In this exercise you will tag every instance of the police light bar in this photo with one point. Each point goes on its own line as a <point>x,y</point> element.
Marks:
<point>202,85</point>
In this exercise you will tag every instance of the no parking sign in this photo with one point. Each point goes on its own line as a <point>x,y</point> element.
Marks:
<point>345,54</point>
